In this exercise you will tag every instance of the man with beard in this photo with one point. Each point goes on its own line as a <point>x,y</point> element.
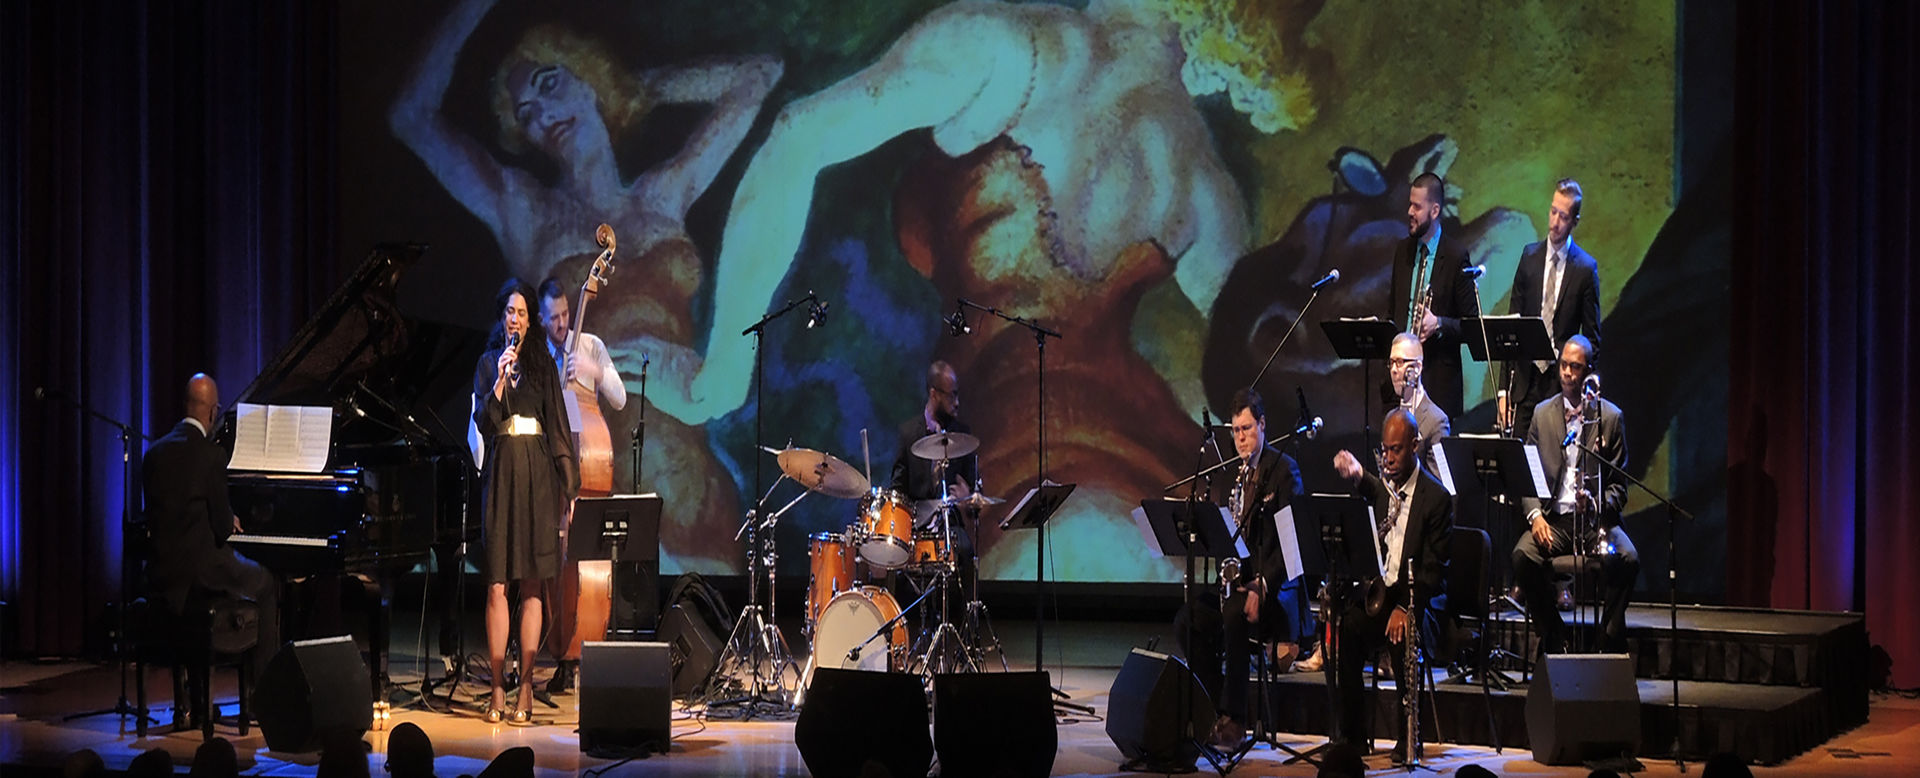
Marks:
<point>1429,294</point>
<point>914,477</point>
<point>1559,282</point>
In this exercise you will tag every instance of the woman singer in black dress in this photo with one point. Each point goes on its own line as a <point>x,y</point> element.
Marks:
<point>529,476</point>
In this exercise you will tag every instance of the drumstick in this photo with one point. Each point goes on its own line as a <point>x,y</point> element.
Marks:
<point>865,455</point>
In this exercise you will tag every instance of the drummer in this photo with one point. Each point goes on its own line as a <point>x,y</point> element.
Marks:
<point>913,476</point>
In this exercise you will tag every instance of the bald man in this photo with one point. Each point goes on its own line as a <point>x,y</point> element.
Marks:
<point>1414,515</point>
<point>189,520</point>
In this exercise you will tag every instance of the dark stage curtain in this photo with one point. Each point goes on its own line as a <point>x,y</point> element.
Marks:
<point>1823,483</point>
<point>166,206</point>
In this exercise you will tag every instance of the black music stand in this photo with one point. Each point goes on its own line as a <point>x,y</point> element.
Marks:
<point>1366,339</point>
<point>621,529</point>
<point>1194,530</point>
<point>1336,535</point>
<point>1494,469</point>
<point>1510,339</point>
<point>1032,512</point>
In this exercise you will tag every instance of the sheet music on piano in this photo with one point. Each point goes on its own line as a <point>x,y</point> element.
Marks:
<point>282,438</point>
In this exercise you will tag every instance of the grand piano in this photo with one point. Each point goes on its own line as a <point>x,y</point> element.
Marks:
<point>398,483</point>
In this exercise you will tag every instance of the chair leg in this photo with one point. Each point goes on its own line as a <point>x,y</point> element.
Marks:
<point>246,692</point>
<point>182,703</point>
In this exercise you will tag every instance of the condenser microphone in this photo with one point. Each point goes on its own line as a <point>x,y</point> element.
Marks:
<point>1475,272</point>
<point>957,322</point>
<point>1310,429</point>
<point>1331,276</point>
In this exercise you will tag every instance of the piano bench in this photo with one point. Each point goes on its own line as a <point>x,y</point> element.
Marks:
<point>214,630</point>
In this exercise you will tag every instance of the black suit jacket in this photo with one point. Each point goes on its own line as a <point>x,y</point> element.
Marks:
<point>1577,309</point>
<point>1429,525</point>
<point>1549,430</point>
<point>913,476</point>
<point>1452,301</point>
<point>188,517</point>
<point>1274,481</point>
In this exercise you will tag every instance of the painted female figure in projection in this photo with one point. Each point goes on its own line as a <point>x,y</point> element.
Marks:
<point>1074,174</point>
<point>565,97</point>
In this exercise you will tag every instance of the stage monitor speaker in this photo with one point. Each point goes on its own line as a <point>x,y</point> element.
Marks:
<point>626,697</point>
<point>692,648</point>
<point>1583,707</point>
<point>1146,717</point>
<point>998,724</point>
<point>311,691</point>
<point>852,717</point>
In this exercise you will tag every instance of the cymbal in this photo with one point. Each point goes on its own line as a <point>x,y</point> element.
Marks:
<point>945,445</point>
<point>821,472</point>
<point>978,500</point>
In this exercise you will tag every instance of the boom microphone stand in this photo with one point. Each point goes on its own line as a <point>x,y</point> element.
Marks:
<point>1674,514</point>
<point>128,528</point>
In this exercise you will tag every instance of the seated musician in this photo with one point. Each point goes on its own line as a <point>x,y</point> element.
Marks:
<point>1552,526</point>
<point>1262,607</point>
<point>914,478</point>
<point>189,521</point>
<point>592,367</point>
<point>1407,362</point>
<point>1414,515</point>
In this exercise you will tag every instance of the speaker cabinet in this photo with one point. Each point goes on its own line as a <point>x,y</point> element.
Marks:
<point>313,690</point>
<point>851,717</point>
<point>998,724</point>
<point>1157,712</point>
<point>1583,707</point>
<point>626,697</point>
<point>692,648</point>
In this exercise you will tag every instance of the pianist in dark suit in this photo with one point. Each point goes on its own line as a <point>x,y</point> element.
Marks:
<point>189,520</point>
<point>529,476</point>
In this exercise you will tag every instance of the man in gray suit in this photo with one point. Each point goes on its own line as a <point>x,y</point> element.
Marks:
<point>1407,361</point>
<point>1552,529</point>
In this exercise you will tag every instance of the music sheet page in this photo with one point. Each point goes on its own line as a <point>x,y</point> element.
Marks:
<point>281,438</point>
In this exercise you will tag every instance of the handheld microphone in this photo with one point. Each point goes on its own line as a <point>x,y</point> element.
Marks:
<point>513,344</point>
<point>1475,272</point>
<point>1331,276</point>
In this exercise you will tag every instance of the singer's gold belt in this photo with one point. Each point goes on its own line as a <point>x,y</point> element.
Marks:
<point>521,425</point>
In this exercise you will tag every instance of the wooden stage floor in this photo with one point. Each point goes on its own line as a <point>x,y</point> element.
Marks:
<point>36,696</point>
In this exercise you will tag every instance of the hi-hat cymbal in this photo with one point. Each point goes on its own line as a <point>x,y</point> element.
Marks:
<point>978,500</point>
<point>945,445</point>
<point>821,472</point>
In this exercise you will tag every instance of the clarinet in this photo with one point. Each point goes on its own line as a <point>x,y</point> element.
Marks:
<point>1230,566</point>
<point>1412,677</point>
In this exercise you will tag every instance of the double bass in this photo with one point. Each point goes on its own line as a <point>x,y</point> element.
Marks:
<point>586,586</point>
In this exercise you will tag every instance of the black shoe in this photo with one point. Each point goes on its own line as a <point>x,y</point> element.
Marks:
<point>562,680</point>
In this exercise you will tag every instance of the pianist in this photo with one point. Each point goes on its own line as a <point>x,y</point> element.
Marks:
<point>189,520</point>
<point>529,476</point>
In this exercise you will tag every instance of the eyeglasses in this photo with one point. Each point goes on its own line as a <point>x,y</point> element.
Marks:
<point>954,393</point>
<point>1245,429</point>
<point>1398,362</point>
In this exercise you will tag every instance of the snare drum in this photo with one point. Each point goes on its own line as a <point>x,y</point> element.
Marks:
<point>931,552</point>
<point>849,620</point>
<point>831,563</point>
<point>886,529</point>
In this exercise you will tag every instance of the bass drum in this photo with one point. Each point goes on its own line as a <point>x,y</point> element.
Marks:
<point>849,620</point>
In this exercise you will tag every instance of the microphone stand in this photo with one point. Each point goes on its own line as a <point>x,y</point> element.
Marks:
<point>1674,514</point>
<point>760,634</point>
<point>121,708</point>
<point>1040,335</point>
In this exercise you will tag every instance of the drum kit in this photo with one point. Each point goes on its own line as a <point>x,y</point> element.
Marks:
<point>851,620</point>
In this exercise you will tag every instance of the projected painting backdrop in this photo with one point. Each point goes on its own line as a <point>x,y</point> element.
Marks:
<point>1157,180</point>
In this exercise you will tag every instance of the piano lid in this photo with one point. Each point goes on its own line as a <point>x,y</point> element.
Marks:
<point>362,357</point>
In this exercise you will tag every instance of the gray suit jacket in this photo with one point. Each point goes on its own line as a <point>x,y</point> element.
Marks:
<point>1549,429</point>
<point>1434,425</point>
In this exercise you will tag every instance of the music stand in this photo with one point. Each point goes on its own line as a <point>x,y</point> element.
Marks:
<point>1367,340</point>
<point>1497,469</point>
<point>621,528</point>
<point>1323,525</point>
<point>1510,339</point>
<point>1193,529</point>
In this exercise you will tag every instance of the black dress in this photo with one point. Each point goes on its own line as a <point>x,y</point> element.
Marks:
<point>528,479</point>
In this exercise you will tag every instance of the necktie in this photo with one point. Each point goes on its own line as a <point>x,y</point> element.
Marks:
<point>1550,299</point>
<point>1399,498</point>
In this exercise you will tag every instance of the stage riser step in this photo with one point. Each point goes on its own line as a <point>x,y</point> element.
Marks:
<point>1780,724</point>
